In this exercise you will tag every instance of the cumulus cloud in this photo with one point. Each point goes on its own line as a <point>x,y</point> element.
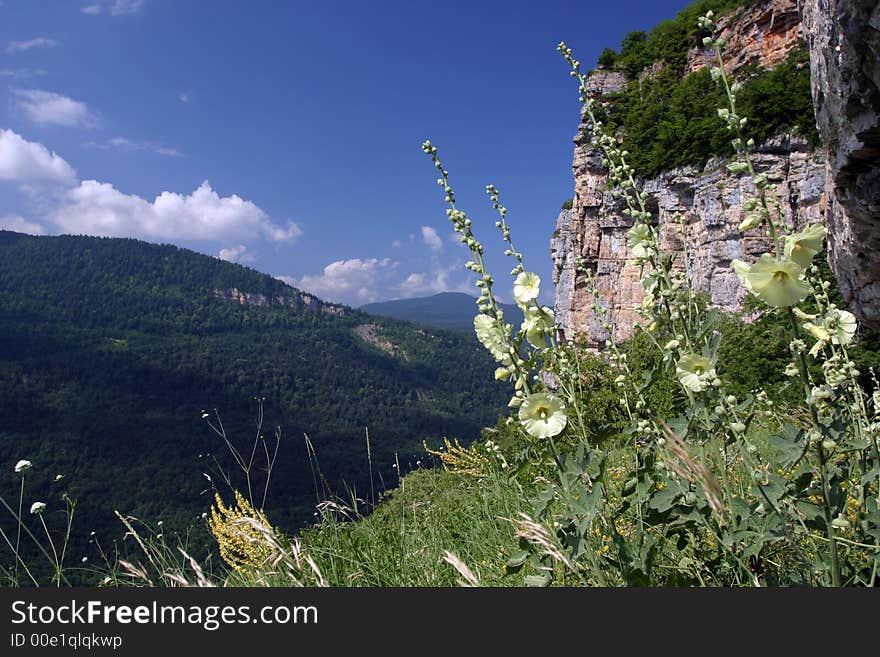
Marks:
<point>39,42</point>
<point>21,225</point>
<point>431,238</point>
<point>439,279</point>
<point>238,253</point>
<point>29,162</point>
<point>351,281</point>
<point>97,208</point>
<point>46,107</point>
<point>124,144</point>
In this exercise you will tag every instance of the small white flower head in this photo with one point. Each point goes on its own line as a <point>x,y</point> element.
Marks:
<point>750,222</point>
<point>59,477</point>
<point>695,372</point>
<point>502,374</point>
<point>37,507</point>
<point>85,559</point>
<point>23,466</point>
<point>526,287</point>
<point>542,415</point>
<point>205,415</point>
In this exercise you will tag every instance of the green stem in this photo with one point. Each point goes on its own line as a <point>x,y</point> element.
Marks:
<point>18,533</point>
<point>820,452</point>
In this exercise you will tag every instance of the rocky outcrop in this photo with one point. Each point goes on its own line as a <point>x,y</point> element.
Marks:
<point>844,41</point>
<point>372,334</point>
<point>296,302</point>
<point>761,35</point>
<point>709,200</point>
<point>593,232</point>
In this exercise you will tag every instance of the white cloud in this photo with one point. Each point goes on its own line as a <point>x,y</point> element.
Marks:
<point>439,279</point>
<point>124,144</point>
<point>28,162</point>
<point>395,244</point>
<point>431,238</point>
<point>97,208</point>
<point>114,7</point>
<point>21,225</point>
<point>238,253</point>
<point>21,73</point>
<point>121,7</point>
<point>47,107</point>
<point>351,281</point>
<point>183,98</point>
<point>39,42</point>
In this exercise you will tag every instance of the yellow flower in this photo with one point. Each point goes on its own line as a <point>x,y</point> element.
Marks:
<point>491,336</point>
<point>542,415</point>
<point>801,247</point>
<point>537,324</point>
<point>818,332</point>
<point>842,325</point>
<point>637,239</point>
<point>777,282</point>
<point>742,270</point>
<point>526,287</point>
<point>694,372</point>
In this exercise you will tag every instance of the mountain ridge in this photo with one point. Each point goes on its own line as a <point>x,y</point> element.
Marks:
<point>114,348</point>
<point>445,310</point>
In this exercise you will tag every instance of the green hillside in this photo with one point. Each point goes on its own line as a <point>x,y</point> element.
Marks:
<point>448,310</point>
<point>112,348</point>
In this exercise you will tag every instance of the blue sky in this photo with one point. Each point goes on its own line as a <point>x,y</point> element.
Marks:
<point>286,135</point>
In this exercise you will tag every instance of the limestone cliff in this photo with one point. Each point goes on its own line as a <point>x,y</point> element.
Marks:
<point>710,198</point>
<point>844,40</point>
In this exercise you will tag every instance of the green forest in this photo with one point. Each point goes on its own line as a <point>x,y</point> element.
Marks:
<point>113,349</point>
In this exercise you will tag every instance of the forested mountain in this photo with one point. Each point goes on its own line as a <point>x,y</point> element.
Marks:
<point>111,349</point>
<point>448,310</point>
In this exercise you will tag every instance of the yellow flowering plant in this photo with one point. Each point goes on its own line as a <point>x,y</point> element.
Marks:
<point>731,491</point>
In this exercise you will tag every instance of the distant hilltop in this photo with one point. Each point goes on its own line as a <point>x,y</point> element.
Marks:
<point>453,311</point>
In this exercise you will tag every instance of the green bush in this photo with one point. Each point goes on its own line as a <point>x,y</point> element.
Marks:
<point>668,42</point>
<point>670,121</point>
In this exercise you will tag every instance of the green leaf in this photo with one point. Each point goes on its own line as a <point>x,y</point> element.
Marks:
<point>773,490</point>
<point>537,580</point>
<point>517,559</point>
<point>664,499</point>
<point>789,445</point>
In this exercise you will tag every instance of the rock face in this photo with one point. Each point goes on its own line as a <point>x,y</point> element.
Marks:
<point>844,42</point>
<point>709,200</point>
<point>762,34</point>
<point>298,301</point>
